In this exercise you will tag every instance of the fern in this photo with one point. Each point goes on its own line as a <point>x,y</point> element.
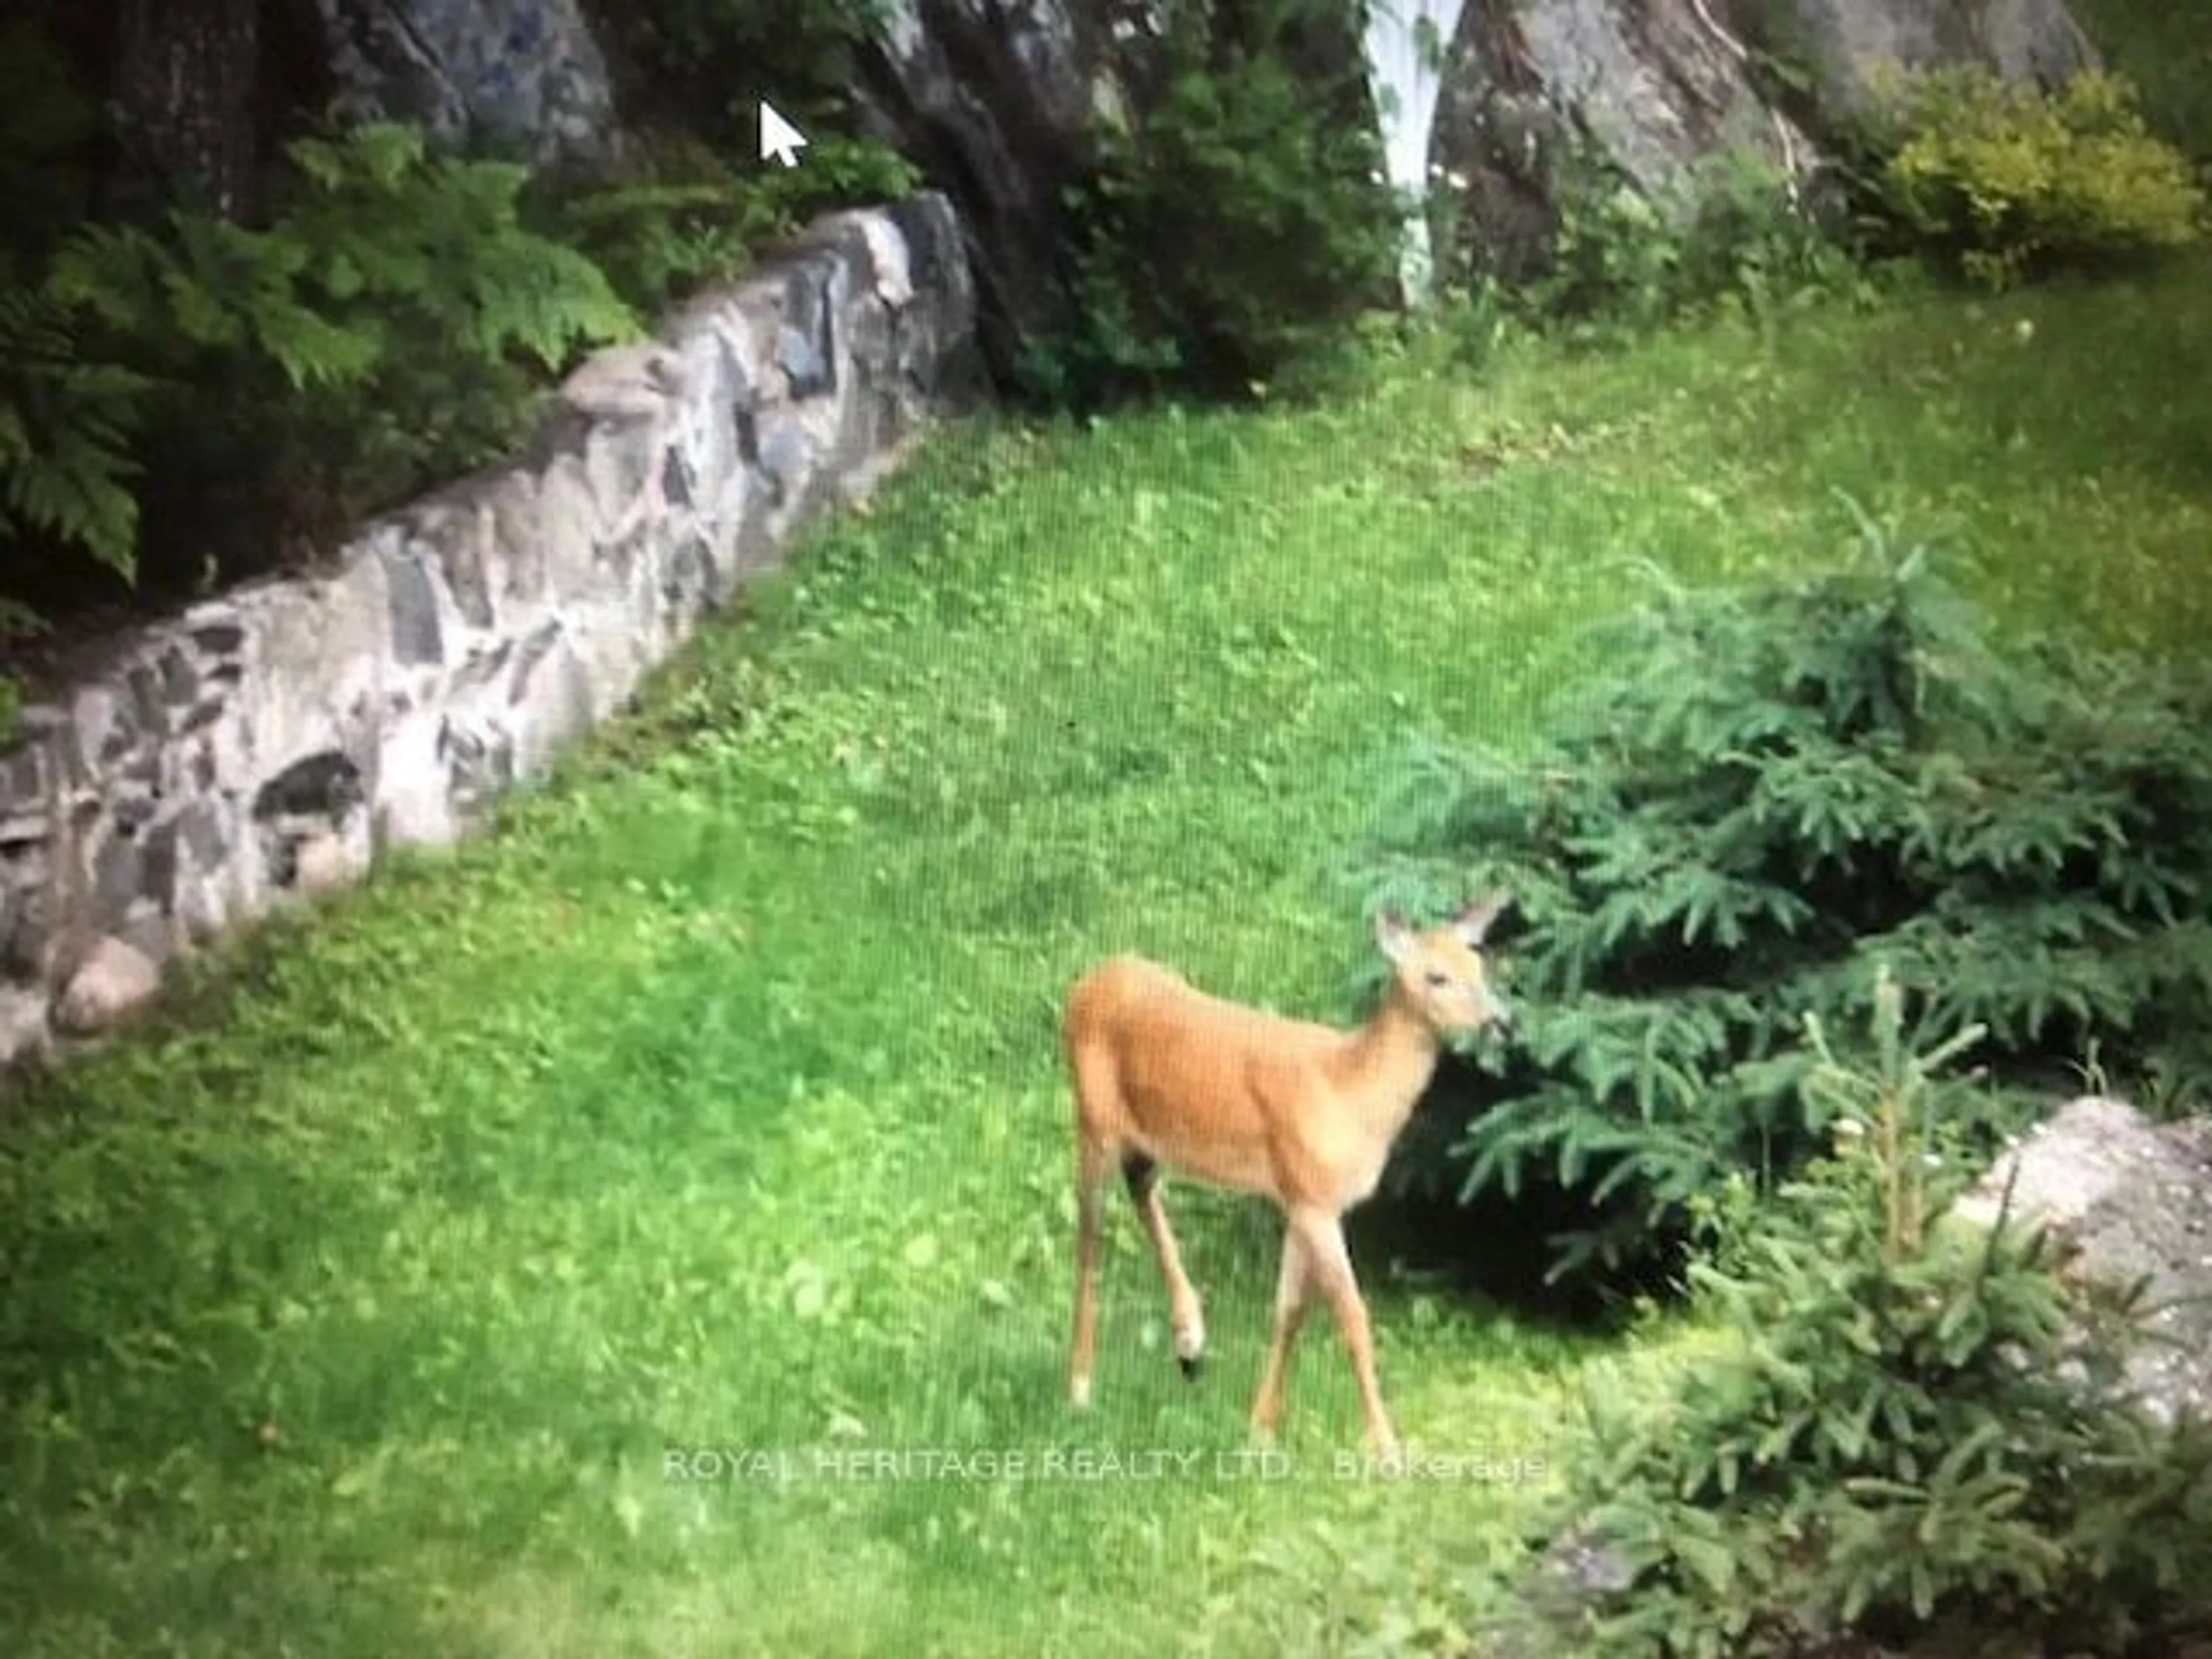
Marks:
<point>656,240</point>
<point>66,431</point>
<point>389,325</point>
<point>384,248</point>
<point>392,322</point>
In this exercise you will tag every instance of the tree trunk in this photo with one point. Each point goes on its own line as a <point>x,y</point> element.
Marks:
<point>185,78</point>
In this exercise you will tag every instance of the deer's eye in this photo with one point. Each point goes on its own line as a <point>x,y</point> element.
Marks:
<point>1438,978</point>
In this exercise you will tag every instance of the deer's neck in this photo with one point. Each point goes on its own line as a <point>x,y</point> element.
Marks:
<point>1387,1063</point>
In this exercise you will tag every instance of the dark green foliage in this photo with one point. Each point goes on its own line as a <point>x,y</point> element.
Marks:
<point>703,66</point>
<point>65,465</point>
<point>660,239</point>
<point>186,399</point>
<point>1233,228</point>
<point>2163,49</point>
<point>1764,791</point>
<point>385,329</point>
<point>1914,1423</point>
<point>193,399</point>
<point>66,422</point>
<point>1736,234</point>
<point>690,219</point>
<point>46,121</point>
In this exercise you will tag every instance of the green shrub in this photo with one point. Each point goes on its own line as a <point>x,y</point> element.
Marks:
<point>1732,235</point>
<point>1233,228</point>
<point>1763,791</point>
<point>2162,48</point>
<point>2005,181</point>
<point>387,329</point>
<point>1914,1426</point>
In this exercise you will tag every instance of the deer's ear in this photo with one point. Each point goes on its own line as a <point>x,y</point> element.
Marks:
<point>1473,924</point>
<point>1391,935</point>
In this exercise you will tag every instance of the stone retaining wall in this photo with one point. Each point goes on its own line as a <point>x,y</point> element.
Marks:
<point>271,743</point>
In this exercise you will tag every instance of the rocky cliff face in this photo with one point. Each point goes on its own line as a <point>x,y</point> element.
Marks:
<point>523,78</point>
<point>994,99</point>
<point>1536,89</point>
<point>997,99</point>
<point>1847,41</point>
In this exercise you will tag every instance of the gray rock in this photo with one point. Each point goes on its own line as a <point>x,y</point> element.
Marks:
<point>1851,43</point>
<point>324,863</point>
<point>995,101</point>
<point>118,873</point>
<point>1538,94</point>
<point>415,636</point>
<point>2124,1199</point>
<point>523,78</point>
<point>23,1028</point>
<point>31,917</point>
<point>114,980</point>
<point>1534,90</point>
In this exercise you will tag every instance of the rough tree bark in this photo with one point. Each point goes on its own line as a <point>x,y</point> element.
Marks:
<point>186,74</point>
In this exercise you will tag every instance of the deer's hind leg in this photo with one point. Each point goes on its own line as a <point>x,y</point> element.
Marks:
<point>1093,1159</point>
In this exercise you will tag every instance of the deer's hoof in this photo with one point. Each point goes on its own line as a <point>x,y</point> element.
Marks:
<point>1189,1344</point>
<point>1190,1364</point>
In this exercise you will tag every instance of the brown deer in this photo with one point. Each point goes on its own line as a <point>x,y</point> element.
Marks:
<point>1301,1113</point>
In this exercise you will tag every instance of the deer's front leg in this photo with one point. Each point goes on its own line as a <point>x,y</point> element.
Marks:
<point>1328,1263</point>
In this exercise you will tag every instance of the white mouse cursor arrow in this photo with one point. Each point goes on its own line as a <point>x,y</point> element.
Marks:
<point>779,138</point>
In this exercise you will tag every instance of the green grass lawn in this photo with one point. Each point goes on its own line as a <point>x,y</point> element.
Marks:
<point>713,1109</point>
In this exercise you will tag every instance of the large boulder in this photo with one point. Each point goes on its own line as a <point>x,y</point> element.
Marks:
<point>993,101</point>
<point>1849,44</point>
<point>2125,1199</point>
<point>523,78</point>
<point>1538,94</point>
